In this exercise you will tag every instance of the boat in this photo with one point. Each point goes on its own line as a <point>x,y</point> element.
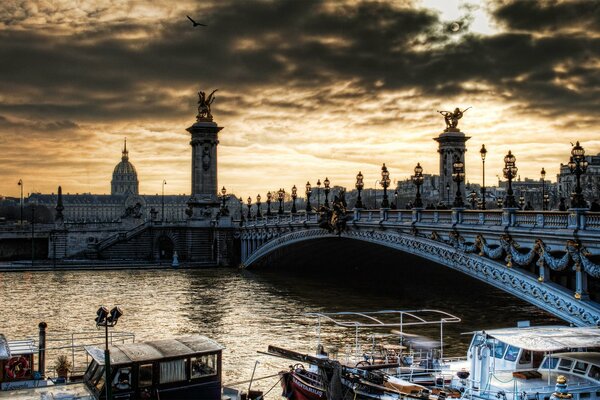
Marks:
<point>531,363</point>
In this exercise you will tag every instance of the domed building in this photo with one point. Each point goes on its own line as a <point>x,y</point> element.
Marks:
<point>124,178</point>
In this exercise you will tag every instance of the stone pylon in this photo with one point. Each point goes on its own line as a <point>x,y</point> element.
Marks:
<point>451,146</point>
<point>204,202</point>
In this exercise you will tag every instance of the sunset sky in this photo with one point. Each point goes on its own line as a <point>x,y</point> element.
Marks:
<point>307,89</point>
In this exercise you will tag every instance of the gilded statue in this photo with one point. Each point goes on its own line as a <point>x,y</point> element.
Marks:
<point>452,117</point>
<point>204,106</point>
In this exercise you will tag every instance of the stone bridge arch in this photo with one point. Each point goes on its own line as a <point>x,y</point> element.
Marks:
<point>548,296</point>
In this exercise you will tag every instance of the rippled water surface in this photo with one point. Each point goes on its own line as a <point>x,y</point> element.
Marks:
<point>246,311</point>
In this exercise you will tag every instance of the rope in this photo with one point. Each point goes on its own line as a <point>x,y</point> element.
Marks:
<point>250,380</point>
<point>268,391</point>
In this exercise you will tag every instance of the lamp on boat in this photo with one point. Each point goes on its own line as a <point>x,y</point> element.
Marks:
<point>101,315</point>
<point>385,182</point>
<point>280,195</point>
<point>458,175</point>
<point>359,187</point>
<point>108,320</point>
<point>417,179</point>
<point>308,193</point>
<point>326,190</point>
<point>258,213</point>
<point>294,197</point>
<point>269,197</point>
<point>510,172</point>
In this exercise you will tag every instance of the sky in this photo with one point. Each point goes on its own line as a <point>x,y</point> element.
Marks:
<point>307,89</point>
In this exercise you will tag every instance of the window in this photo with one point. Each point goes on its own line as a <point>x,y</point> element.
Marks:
<point>580,367</point>
<point>98,379</point>
<point>565,365</point>
<point>525,357</point>
<point>499,348</point>
<point>145,375</point>
<point>122,380</point>
<point>594,373</point>
<point>172,371</point>
<point>512,353</point>
<point>553,362</point>
<point>203,366</point>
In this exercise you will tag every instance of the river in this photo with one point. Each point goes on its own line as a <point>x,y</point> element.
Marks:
<point>246,311</point>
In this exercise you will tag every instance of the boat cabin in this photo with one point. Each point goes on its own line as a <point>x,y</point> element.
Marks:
<point>16,363</point>
<point>187,367</point>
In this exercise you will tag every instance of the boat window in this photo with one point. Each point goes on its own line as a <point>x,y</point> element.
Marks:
<point>145,375</point>
<point>512,353</point>
<point>580,367</point>
<point>584,395</point>
<point>98,379</point>
<point>525,357</point>
<point>594,373</point>
<point>565,365</point>
<point>553,362</point>
<point>91,370</point>
<point>499,348</point>
<point>203,365</point>
<point>122,380</point>
<point>172,371</point>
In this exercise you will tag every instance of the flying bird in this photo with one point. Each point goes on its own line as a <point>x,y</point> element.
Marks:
<point>194,22</point>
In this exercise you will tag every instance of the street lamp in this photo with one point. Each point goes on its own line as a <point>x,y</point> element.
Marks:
<point>578,165</point>
<point>294,196</point>
<point>499,202</point>
<point>269,197</point>
<point>543,174</point>
<point>241,209</point>
<point>359,187</point>
<point>308,193</point>
<point>458,175</point>
<point>510,171</point>
<point>162,214</point>
<point>521,200</point>
<point>318,193</point>
<point>249,202</point>
<point>20,183</point>
<point>417,179</point>
<point>224,210</point>
<point>326,183</point>
<point>258,213</point>
<point>483,153</point>
<point>107,319</point>
<point>473,198</point>
<point>396,199</point>
<point>280,194</point>
<point>385,182</point>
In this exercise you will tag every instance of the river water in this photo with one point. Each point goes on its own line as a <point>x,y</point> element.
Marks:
<point>246,311</point>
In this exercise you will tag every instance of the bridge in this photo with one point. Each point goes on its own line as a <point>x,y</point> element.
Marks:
<point>546,258</point>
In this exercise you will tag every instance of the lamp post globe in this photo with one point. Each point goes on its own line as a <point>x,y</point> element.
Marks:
<point>483,153</point>
<point>458,175</point>
<point>359,187</point>
<point>417,179</point>
<point>326,190</point>
<point>294,197</point>
<point>308,192</point>
<point>385,182</point>
<point>510,172</point>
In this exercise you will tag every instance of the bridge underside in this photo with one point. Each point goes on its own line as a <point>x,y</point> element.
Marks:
<point>303,245</point>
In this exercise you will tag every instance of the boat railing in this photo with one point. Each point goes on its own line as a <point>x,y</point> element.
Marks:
<point>74,344</point>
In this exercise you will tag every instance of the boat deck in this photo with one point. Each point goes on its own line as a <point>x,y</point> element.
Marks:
<point>75,391</point>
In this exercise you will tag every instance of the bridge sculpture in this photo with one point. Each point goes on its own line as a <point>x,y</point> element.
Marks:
<point>499,247</point>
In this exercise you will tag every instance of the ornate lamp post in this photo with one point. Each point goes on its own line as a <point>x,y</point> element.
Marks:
<point>258,213</point>
<point>162,213</point>
<point>249,202</point>
<point>359,187</point>
<point>458,175</point>
<point>395,199</point>
<point>241,209</point>
<point>326,190</point>
<point>224,210</point>
<point>499,202</point>
<point>483,153</point>
<point>578,165</point>
<point>543,175</point>
<point>447,194</point>
<point>294,196</point>
<point>269,197</point>
<point>385,182</point>
<point>510,171</point>
<point>473,198</point>
<point>318,193</point>
<point>521,200</point>
<point>308,193</point>
<point>417,179</point>
<point>107,320</point>
<point>280,195</point>
<point>20,183</point>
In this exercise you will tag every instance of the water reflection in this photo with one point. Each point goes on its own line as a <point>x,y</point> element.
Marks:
<point>246,311</point>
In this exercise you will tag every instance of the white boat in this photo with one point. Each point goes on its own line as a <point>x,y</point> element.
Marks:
<point>531,363</point>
